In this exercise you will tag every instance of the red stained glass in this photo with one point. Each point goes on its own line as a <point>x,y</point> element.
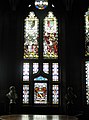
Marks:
<point>50,43</point>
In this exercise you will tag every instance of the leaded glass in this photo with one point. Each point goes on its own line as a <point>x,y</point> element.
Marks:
<point>50,38</point>
<point>43,74</point>
<point>87,81</point>
<point>40,93</point>
<point>87,33</point>
<point>35,68</point>
<point>25,71</point>
<point>55,94</point>
<point>31,36</point>
<point>54,71</point>
<point>25,94</point>
<point>41,4</point>
<point>40,78</point>
<point>46,68</point>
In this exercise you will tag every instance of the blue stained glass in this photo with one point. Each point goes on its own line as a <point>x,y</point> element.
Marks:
<point>41,4</point>
<point>40,78</point>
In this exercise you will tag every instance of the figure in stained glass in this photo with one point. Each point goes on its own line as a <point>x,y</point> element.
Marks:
<point>50,43</point>
<point>31,37</point>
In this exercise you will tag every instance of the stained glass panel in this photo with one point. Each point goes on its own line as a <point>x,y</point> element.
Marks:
<point>35,68</point>
<point>87,33</point>
<point>40,78</point>
<point>25,71</point>
<point>50,38</point>
<point>31,36</point>
<point>41,4</point>
<point>55,94</point>
<point>40,93</point>
<point>54,71</point>
<point>46,68</point>
<point>87,81</point>
<point>25,94</point>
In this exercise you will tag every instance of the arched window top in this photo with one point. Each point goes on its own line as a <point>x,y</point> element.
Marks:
<point>50,14</point>
<point>41,4</point>
<point>87,13</point>
<point>50,23</point>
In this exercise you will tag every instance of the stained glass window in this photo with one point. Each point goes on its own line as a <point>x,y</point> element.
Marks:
<point>50,43</point>
<point>25,71</point>
<point>35,68</point>
<point>31,36</point>
<point>55,71</point>
<point>40,93</point>
<point>87,81</point>
<point>87,54</point>
<point>40,58</point>
<point>55,94</point>
<point>46,68</point>
<point>41,4</point>
<point>87,33</point>
<point>25,94</point>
